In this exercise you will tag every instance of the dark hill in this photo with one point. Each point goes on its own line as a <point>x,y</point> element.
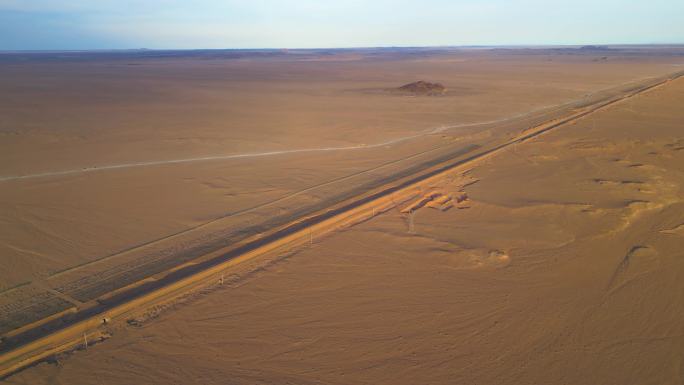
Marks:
<point>423,88</point>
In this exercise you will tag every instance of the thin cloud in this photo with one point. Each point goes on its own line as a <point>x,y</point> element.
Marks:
<point>328,23</point>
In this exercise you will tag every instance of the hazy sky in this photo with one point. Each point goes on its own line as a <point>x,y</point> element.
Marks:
<point>104,24</point>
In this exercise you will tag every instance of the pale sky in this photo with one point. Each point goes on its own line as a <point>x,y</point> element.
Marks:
<point>170,24</point>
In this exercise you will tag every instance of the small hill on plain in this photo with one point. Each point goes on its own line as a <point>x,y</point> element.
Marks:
<point>423,88</point>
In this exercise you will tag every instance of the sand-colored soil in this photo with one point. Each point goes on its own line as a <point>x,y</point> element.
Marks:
<point>132,133</point>
<point>557,261</point>
<point>117,167</point>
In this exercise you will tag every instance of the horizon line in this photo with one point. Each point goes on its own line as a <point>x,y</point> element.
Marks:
<point>599,45</point>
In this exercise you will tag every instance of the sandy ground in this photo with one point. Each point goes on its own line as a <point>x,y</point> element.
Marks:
<point>563,266</point>
<point>73,115</point>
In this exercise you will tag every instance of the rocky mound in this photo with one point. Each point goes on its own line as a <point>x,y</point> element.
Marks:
<point>423,88</point>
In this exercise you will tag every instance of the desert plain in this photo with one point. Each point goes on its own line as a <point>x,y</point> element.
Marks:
<point>556,260</point>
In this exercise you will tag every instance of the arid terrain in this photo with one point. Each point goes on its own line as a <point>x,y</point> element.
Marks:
<point>557,260</point>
